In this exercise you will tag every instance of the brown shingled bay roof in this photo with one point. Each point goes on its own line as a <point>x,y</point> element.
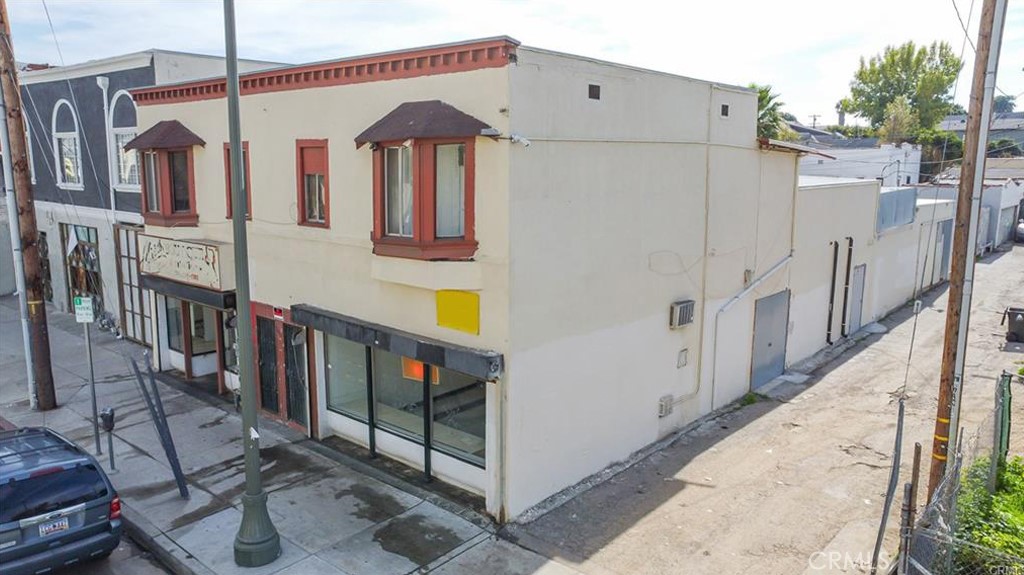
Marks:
<point>164,135</point>
<point>428,119</point>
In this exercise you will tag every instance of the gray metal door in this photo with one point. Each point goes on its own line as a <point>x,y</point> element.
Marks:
<point>771,326</point>
<point>857,297</point>
<point>947,247</point>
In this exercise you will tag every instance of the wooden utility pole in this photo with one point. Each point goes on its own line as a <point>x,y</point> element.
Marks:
<point>18,158</point>
<point>961,277</point>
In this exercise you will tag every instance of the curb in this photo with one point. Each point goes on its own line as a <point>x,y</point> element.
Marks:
<point>169,554</point>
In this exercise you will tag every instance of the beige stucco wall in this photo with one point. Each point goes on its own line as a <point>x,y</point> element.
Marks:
<point>827,212</point>
<point>331,268</point>
<point>607,223</point>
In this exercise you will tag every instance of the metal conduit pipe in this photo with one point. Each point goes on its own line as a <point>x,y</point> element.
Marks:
<point>832,291</point>
<point>725,307</point>
<point>846,285</point>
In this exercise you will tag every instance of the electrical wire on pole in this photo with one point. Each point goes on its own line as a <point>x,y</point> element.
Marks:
<point>17,155</point>
<point>961,279</point>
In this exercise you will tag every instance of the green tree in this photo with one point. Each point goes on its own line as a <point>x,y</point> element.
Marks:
<point>924,75</point>
<point>770,122</point>
<point>1004,148</point>
<point>939,150</point>
<point>1004,104</point>
<point>900,123</point>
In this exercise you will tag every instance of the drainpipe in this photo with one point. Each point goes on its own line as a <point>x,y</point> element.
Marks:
<point>104,83</point>
<point>725,307</point>
<point>832,290</point>
<point>846,285</point>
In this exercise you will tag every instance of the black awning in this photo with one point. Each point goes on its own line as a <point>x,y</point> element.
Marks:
<point>428,119</point>
<point>221,300</point>
<point>164,135</point>
<point>486,365</point>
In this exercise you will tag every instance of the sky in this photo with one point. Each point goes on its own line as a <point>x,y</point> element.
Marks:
<point>807,50</point>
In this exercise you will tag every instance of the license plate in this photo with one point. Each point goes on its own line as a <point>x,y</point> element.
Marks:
<point>53,527</point>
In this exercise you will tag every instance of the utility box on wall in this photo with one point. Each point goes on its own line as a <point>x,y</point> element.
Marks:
<point>680,314</point>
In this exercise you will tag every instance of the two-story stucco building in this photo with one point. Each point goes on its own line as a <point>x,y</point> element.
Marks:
<point>505,266</point>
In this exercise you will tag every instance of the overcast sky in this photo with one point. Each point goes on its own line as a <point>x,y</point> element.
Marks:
<point>807,50</point>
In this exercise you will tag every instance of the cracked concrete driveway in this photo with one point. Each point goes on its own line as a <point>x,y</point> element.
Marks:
<point>763,488</point>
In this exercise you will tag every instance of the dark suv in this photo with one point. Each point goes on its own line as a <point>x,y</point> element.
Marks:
<point>57,507</point>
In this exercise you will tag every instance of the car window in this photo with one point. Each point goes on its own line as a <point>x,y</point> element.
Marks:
<point>46,493</point>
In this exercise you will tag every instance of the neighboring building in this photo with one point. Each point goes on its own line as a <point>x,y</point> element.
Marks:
<point>1001,199</point>
<point>7,283</point>
<point>1005,126</point>
<point>863,158</point>
<point>498,228</point>
<point>861,251</point>
<point>85,185</point>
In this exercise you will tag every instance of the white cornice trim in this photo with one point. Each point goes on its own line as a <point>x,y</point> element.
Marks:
<point>73,214</point>
<point>90,68</point>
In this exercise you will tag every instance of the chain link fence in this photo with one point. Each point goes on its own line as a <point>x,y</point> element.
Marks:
<point>939,541</point>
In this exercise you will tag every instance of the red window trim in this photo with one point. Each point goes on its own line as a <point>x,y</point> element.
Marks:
<point>164,216</point>
<point>300,183</point>
<point>423,244</point>
<point>227,178</point>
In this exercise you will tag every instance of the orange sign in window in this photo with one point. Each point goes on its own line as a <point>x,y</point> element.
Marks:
<point>412,369</point>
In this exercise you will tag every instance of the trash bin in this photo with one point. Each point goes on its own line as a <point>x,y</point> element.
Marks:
<point>1013,319</point>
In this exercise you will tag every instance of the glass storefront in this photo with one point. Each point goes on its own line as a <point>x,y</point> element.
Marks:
<point>456,406</point>
<point>175,334</point>
<point>203,329</point>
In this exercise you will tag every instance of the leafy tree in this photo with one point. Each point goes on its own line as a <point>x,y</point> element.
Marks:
<point>1004,104</point>
<point>900,122</point>
<point>770,122</point>
<point>957,109</point>
<point>788,117</point>
<point>924,75</point>
<point>939,150</point>
<point>1004,148</point>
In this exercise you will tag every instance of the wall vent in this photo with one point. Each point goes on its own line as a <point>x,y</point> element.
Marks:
<point>664,406</point>
<point>680,314</point>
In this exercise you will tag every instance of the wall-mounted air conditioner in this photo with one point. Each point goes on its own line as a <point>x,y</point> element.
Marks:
<point>680,314</point>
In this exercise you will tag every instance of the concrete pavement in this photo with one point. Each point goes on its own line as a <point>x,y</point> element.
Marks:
<point>335,516</point>
<point>778,485</point>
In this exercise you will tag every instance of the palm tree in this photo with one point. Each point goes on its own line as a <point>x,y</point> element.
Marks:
<point>770,123</point>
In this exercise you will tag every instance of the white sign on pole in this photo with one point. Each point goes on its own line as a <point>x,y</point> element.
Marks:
<point>84,310</point>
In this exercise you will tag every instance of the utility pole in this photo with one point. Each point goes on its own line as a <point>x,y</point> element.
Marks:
<point>968,207</point>
<point>257,541</point>
<point>18,158</point>
<point>814,120</point>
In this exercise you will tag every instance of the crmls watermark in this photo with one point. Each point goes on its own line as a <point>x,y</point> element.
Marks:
<point>844,561</point>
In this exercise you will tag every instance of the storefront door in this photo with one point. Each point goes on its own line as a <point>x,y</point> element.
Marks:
<point>135,315</point>
<point>282,368</point>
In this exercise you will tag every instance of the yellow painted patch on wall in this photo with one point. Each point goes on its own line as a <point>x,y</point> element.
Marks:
<point>459,310</point>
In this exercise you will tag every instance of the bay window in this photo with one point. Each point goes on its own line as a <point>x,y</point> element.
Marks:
<point>423,199</point>
<point>168,182</point>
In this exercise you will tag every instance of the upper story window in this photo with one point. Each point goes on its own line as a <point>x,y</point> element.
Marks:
<point>168,178</point>
<point>246,181</point>
<point>67,150</point>
<point>423,180</point>
<point>123,122</point>
<point>313,183</point>
<point>423,198</point>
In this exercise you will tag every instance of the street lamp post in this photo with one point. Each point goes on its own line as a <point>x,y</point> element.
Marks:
<point>257,542</point>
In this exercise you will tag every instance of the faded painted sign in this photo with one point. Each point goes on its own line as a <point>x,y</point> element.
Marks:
<point>186,262</point>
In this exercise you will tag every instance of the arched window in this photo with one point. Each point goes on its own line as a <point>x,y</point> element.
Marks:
<point>123,126</point>
<point>67,147</point>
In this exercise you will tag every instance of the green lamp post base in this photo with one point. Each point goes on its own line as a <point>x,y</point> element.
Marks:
<point>257,542</point>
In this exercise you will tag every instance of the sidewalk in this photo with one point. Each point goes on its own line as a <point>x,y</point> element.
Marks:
<point>335,515</point>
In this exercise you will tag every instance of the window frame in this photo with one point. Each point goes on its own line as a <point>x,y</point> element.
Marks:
<point>165,215</point>
<point>300,182</point>
<point>424,243</point>
<point>57,137</point>
<point>28,145</point>
<point>116,131</point>
<point>227,179</point>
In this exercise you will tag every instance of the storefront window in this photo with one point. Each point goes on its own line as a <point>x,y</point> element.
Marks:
<point>83,263</point>
<point>230,337</point>
<point>175,339</point>
<point>399,395</point>
<point>203,330</point>
<point>345,363</point>
<point>460,415</point>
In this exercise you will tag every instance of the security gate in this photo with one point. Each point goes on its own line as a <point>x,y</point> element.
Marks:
<point>857,297</point>
<point>771,326</point>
